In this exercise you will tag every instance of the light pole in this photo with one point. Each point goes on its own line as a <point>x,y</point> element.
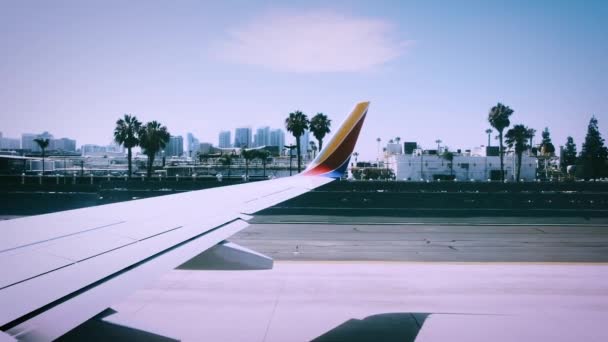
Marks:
<point>290,148</point>
<point>421,163</point>
<point>378,152</point>
<point>438,142</point>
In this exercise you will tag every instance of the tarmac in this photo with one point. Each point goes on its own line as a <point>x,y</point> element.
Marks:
<point>374,301</point>
<point>416,240</point>
<point>394,279</point>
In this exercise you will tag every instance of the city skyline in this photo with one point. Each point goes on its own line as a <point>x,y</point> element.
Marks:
<point>430,69</point>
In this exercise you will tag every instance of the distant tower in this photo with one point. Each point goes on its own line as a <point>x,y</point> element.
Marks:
<point>224,140</point>
<point>262,137</point>
<point>175,146</point>
<point>277,138</point>
<point>304,142</point>
<point>193,144</point>
<point>242,137</point>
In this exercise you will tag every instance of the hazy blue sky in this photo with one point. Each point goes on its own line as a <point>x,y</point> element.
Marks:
<point>431,69</point>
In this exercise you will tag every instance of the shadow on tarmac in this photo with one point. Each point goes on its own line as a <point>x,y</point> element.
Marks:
<point>403,327</point>
<point>95,329</point>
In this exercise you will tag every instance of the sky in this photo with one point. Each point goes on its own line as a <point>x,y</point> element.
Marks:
<point>431,69</point>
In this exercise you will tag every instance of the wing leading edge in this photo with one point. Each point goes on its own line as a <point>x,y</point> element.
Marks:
<point>63,268</point>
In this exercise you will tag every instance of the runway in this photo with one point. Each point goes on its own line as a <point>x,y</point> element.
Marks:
<point>460,242</point>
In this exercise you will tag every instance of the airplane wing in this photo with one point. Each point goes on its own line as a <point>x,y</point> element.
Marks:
<point>60,269</point>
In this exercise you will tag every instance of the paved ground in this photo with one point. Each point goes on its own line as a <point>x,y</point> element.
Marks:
<point>390,279</point>
<point>428,242</point>
<point>377,301</point>
<point>463,220</point>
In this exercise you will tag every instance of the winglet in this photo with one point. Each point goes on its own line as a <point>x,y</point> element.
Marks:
<point>333,160</point>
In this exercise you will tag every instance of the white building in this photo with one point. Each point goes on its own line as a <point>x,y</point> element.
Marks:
<point>393,148</point>
<point>93,150</point>
<point>429,167</point>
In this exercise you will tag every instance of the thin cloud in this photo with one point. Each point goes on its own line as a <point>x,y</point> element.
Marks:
<point>313,41</point>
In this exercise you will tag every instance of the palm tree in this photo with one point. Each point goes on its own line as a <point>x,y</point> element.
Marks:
<point>125,133</point>
<point>263,155</point>
<point>378,140</point>
<point>449,156</point>
<point>226,160</point>
<point>153,137</point>
<point>532,134</point>
<point>320,126</point>
<point>248,155</point>
<point>398,140</point>
<point>297,124</point>
<point>518,138</point>
<point>313,147</point>
<point>43,144</point>
<point>356,155</point>
<point>499,119</point>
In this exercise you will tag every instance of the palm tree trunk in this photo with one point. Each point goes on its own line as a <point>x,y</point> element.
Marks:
<point>150,162</point>
<point>264,166</point>
<point>129,160</point>
<point>519,166</point>
<point>299,155</point>
<point>320,143</point>
<point>43,155</point>
<point>501,154</point>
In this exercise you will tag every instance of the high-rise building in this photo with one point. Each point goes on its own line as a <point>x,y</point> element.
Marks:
<point>92,150</point>
<point>9,143</point>
<point>193,144</point>
<point>262,137</point>
<point>64,144</point>
<point>225,138</point>
<point>175,146</point>
<point>28,143</point>
<point>304,143</point>
<point>242,137</point>
<point>277,138</point>
<point>113,147</point>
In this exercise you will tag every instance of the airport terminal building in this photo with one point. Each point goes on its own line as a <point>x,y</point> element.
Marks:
<point>427,165</point>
